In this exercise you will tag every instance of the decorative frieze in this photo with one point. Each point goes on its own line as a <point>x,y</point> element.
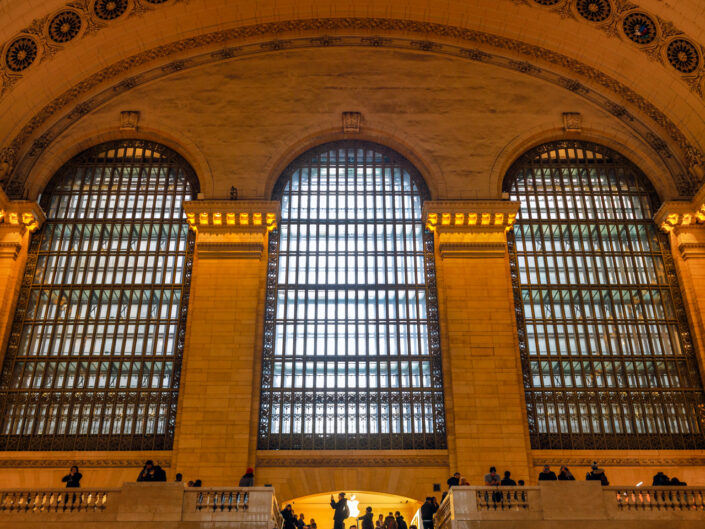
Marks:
<point>231,229</point>
<point>467,229</point>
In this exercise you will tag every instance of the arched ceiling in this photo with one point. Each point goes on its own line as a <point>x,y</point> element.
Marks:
<point>594,60</point>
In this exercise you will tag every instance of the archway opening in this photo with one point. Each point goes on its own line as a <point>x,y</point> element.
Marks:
<point>317,507</point>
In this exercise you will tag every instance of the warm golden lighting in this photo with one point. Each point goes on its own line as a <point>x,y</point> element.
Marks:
<point>472,219</point>
<point>486,219</point>
<point>230,218</point>
<point>217,219</point>
<point>445,219</point>
<point>244,218</point>
<point>14,219</point>
<point>498,219</point>
<point>191,218</point>
<point>459,219</point>
<point>203,218</point>
<point>257,219</point>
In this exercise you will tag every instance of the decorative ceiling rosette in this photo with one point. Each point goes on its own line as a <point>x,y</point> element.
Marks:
<point>64,26</point>
<point>21,53</point>
<point>683,55</point>
<point>639,28</point>
<point>109,9</point>
<point>594,10</point>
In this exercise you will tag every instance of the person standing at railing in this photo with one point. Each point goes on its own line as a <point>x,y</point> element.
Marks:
<point>547,474</point>
<point>597,474</point>
<point>507,481</point>
<point>248,478</point>
<point>660,480</point>
<point>454,480</point>
<point>565,474</point>
<point>151,472</point>
<point>73,478</point>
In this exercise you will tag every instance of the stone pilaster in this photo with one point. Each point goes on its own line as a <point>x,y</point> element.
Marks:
<point>223,339</point>
<point>684,222</point>
<point>18,219</point>
<point>484,389</point>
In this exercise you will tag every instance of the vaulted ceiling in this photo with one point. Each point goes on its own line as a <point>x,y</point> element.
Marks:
<point>636,70</point>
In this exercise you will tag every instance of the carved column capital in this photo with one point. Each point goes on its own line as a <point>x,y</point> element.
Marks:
<point>685,219</point>
<point>467,229</point>
<point>17,217</point>
<point>231,229</point>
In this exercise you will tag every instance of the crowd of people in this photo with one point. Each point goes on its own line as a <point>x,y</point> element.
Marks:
<point>595,473</point>
<point>155,473</point>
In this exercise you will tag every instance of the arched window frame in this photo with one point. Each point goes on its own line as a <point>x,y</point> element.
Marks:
<point>91,404</point>
<point>436,439</point>
<point>563,436</point>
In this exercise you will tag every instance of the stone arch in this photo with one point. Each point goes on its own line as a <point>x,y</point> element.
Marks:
<point>406,146</point>
<point>639,153</point>
<point>51,160</point>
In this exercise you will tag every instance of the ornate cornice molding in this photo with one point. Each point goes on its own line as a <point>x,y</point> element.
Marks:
<point>361,460</point>
<point>635,461</point>
<point>231,229</point>
<point>81,463</point>
<point>470,229</point>
<point>20,156</point>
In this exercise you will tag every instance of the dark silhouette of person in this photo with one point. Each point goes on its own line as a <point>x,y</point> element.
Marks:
<point>428,509</point>
<point>565,474</point>
<point>289,518</point>
<point>660,480</point>
<point>248,478</point>
<point>73,478</point>
<point>547,474</point>
<point>179,477</point>
<point>342,512</point>
<point>401,523</point>
<point>390,522</point>
<point>507,481</point>
<point>597,474</point>
<point>454,480</point>
<point>151,472</point>
<point>367,519</point>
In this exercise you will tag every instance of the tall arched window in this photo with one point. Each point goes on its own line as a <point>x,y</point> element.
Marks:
<point>351,352</point>
<point>95,350</point>
<point>607,355</point>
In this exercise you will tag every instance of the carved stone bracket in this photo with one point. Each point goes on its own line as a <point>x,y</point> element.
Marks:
<point>16,218</point>
<point>231,229</point>
<point>469,229</point>
<point>686,220</point>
